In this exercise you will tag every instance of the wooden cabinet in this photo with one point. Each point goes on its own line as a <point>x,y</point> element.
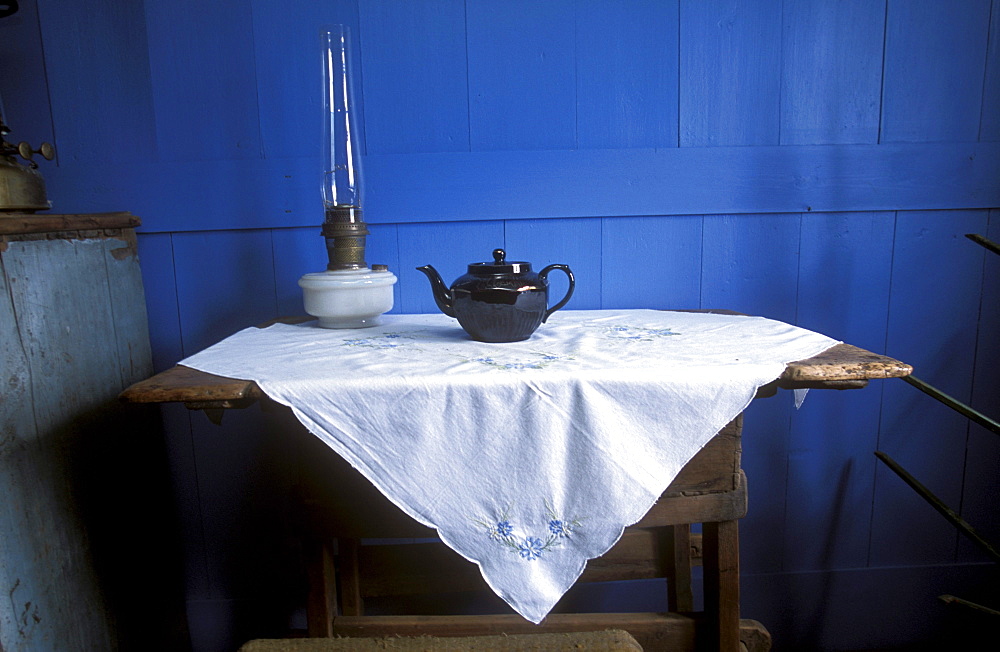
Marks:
<point>73,333</point>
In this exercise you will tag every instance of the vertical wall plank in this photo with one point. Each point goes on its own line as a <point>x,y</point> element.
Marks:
<point>225,282</point>
<point>449,247</point>
<point>104,106</point>
<point>156,259</point>
<point>750,264</point>
<point>296,252</point>
<point>203,78</point>
<point>931,264</point>
<point>286,46</point>
<point>843,291</point>
<point>982,459</point>
<point>989,129</point>
<point>730,71</point>
<point>522,86</point>
<point>415,56</point>
<point>651,262</point>
<point>26,106</point>
<point>626,86</point>
<point>573,242</point>
<point>934,65</point>
<point>831,75</point>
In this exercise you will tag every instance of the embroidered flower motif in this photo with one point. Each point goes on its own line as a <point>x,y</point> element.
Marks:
<point>637,333</point>
<point>501,530</point>
<point>384,341</point>
<point>531,548</point>
<point>539,360</point>
<point>559,528</point>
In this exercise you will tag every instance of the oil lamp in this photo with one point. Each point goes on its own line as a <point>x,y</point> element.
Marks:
<point>348,294</point>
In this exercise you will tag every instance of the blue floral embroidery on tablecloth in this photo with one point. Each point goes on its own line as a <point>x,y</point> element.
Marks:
<point>529,547</point>
<point>383,341</point>
<point>537,360</point>
<point>637,333</point>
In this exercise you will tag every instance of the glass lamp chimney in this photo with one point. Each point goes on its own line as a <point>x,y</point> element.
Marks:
<point>343,187</point>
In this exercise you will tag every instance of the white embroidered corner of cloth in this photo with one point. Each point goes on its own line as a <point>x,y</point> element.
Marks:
<point>529,458</point>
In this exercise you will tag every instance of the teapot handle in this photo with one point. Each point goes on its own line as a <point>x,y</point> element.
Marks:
<point>544,274</point>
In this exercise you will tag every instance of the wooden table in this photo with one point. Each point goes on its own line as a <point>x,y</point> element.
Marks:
<point>711,490</point>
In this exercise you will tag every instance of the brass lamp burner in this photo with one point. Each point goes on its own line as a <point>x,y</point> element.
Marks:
<point>344,230</point>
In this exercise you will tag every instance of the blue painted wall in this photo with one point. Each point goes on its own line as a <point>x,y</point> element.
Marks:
<point>811,161</point>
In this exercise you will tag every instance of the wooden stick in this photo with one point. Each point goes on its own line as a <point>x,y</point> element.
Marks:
<point>939,505</point>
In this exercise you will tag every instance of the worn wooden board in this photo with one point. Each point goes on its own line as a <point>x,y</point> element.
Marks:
<point>76,328</point>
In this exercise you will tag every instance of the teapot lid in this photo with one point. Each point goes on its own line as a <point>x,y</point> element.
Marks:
<point>499,266</point>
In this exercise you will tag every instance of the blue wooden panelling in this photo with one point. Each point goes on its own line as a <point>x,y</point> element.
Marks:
<point>750,264</point>
<point>105,107</point>
<point>730,58</point>
<point>288,73</point>
<point>982,482</point>
<point>225,282</point>
<point>931,264</point>
<point>990,126</point>
<point>24,94</point>
<point>204,82</point>
<point>576,243</point>
<point>156,259</point>
<point>831,76</point>
<point>934,66</point>
<point>651,262</point>
<point>843,291</point>
<point>626,95</point>
<point>417,97</point>
<point>682,181</point>
<point>237,194</point>
<point>522,78</point>
<point>195,195</point>
<point>447,246</point>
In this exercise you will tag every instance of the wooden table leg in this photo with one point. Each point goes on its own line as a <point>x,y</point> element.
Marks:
<point>321,605</point>
<point>722,583</point>
<point>677,543</point>
<point>350,578</point>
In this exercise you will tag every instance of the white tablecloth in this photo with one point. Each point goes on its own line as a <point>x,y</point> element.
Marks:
<point>529,457</point>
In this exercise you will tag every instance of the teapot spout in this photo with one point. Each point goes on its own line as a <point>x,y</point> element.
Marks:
<point>443,297</point>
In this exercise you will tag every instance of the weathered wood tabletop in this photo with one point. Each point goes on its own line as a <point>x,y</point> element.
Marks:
<point>841,367</point>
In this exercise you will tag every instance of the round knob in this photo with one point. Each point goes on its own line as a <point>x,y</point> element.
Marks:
<point>499,255</point>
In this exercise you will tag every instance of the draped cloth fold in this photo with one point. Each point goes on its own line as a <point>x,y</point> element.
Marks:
<point>529,458</point>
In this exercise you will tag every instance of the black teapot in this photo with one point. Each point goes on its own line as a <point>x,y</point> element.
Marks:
<point>500,301</point>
